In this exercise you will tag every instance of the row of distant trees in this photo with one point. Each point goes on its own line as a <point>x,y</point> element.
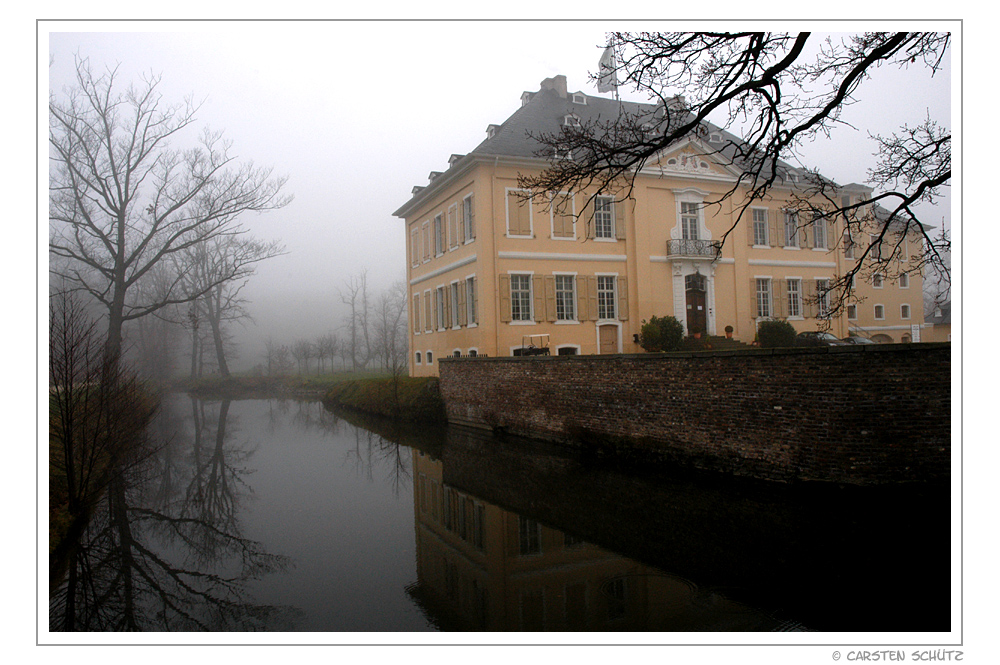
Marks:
<point>372,335</point>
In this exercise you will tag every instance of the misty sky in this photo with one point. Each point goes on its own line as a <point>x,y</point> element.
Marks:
<point>358,113</point>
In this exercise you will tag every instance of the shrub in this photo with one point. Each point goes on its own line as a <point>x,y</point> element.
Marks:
<point>661,334</point>
<point>773,334</point>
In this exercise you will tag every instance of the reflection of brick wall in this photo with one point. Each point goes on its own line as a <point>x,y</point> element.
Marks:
<point>849,414</point>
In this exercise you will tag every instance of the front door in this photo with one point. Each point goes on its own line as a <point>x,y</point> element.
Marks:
<point>608,338</point>
<point>697,315</point>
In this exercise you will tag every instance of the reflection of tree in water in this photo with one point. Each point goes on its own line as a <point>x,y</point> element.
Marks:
<point>164,549</point>
<point>310,416</point>
<point>372,451</point>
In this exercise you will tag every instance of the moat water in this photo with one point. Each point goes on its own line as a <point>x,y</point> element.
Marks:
<point>271,515</point>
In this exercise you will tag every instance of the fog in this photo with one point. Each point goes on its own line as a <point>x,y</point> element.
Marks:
<point>357,113</point>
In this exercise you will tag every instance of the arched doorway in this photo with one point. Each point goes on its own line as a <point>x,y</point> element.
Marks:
<point>695,287</point>
<point>882,338</point>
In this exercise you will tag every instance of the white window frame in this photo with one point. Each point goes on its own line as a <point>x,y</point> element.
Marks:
<point>426,231</point>
<point>822,301</point>
<point>471,314</point>
<point>440,235</point>
<point>849,244</point>
<point>468,214</point>
<point>573,298</point>
<point>819,227</point>
<point>418,323</point>
<point>791,223</point>
<point>613,276</point>
<point>693,218</point>
<point>452,248</point>
<point>415,246</point>
<point>417,358</point>
<point>569,346</point>
<point>905,311</point>
<point>793,297</point>
<point>454,305</point>
<point>531,298</point>
<point>904,280</point>
<point>768,293</point>
<point>610,220</point>
<point>429,357</point>
<point>439,295</point>
<point>473,352</point>
<point>876,311</point>
<point>766,222</point>
<point>878,281</point>
<point>852,309</point>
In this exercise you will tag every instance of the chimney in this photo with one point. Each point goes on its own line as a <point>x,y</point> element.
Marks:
<point>557,83</point>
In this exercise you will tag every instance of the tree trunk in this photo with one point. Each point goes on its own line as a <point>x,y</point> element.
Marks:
<point>214,317</point>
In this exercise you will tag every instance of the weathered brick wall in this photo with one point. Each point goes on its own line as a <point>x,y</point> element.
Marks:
<point>846,414</point>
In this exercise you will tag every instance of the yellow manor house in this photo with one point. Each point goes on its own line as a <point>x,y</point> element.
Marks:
<point>489,263</point>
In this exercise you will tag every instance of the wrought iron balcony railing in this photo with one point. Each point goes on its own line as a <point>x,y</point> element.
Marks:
<point>703,249</point>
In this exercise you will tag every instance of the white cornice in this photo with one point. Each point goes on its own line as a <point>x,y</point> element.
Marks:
<point>557,256</point>
<point>791,264</point>
<point>440,271</point>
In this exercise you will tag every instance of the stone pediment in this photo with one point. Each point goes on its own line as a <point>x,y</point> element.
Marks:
<point>690,159</point>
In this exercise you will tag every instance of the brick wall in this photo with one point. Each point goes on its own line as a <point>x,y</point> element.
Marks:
<point>864,415</point>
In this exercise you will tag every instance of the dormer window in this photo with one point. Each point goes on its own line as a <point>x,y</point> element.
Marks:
<point>525,98</point>
<point>453,159</point>
<point>579,98</point>
<point>492,130</point>
<point>715,137</point>
<point>571,121</point>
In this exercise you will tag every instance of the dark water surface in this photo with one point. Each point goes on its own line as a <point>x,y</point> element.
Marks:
<point>280,515</point>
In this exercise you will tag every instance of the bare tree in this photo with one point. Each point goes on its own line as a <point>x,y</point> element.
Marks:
<point>122,200</point>
<point>326,347</point>
<point>218,269</point>
<point>355,296</point>
<point>391,336</point>
<point>303,351</point>
<point>767,85</point>
<point>389,329</point>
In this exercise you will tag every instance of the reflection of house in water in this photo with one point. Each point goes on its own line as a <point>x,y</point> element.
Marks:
<point>483,568</point>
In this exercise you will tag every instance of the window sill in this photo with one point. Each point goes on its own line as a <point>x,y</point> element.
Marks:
<point>563,238</point>
<point>523,323</point>
<point>567,322</point>
<point>509,235</point>
<point>761,247</point>
<point>797,249</point>
<point>605,239</point>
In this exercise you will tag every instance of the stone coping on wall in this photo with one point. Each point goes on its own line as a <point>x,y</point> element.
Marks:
<point>780,351</point>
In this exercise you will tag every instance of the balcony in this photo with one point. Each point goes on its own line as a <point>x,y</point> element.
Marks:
<point>693,249</point>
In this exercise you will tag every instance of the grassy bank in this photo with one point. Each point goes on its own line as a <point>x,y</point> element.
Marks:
<point>414,399</point>
<point>264,387</point>
<point>372,393</point>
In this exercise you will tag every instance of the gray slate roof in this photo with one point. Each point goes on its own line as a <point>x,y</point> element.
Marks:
<point>544,114</point>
